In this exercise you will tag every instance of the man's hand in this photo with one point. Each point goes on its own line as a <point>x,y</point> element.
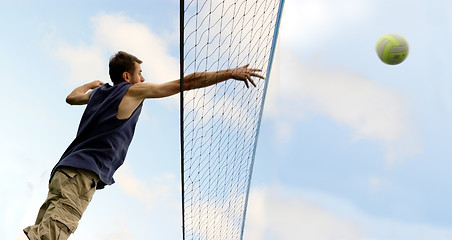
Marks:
<point>244,74</point>
<point>205,79</point>
<point>80,95</point>
<point>94,84</point>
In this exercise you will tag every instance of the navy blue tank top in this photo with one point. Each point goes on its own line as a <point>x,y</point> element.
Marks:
<point>102,139</point>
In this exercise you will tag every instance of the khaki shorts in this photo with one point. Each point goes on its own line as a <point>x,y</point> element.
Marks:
<point>70,192</point>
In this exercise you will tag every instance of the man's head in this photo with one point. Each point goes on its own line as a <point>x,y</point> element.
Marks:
<point>125,67</point>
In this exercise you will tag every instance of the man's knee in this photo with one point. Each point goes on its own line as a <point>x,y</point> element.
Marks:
<point>66,215</point>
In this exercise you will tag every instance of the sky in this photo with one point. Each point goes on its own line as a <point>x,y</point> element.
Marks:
<point>349,147</point>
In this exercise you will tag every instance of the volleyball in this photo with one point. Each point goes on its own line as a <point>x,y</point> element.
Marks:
<point>392,49</point>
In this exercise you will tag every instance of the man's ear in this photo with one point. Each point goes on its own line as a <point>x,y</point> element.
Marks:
<point>125,76</point>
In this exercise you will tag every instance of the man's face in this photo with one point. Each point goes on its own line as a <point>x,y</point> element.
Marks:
<point>136,76</point>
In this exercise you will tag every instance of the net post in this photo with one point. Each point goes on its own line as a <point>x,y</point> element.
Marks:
<point>181,71</point>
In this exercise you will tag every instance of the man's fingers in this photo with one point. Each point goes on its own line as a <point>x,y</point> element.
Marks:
<point>245,74</point>
<point>251,81</point>
<point>244,66</point>
<point>246,83</point>
<point>257,75</point>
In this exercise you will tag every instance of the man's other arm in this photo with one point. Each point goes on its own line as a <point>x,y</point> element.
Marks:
<point>80,95</point>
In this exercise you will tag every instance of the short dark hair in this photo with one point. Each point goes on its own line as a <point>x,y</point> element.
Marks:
<point>119,63</point>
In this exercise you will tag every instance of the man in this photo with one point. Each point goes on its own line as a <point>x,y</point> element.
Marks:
<point>104,135</point>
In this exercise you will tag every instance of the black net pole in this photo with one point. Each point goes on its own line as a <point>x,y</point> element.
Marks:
<point>181,58</point>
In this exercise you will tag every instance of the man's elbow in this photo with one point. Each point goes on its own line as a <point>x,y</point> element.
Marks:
<point>70,100</point>
<point>75,100</point>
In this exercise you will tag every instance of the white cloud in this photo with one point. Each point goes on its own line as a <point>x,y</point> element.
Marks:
<point>308,22</point>
<point>112,33</point>
<point>160,189</point>
<point>298,89</point>
<point>117,32</point>
<point>85,63</point>
<point>212,219</point>
<point>376,183</point>
<point>279,212</point>
<point>213,212</point>
<point>370,110</point>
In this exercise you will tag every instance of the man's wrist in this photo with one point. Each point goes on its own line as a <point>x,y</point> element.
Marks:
<point>228,74</point>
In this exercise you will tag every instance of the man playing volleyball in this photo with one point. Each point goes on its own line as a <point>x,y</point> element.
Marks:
<point>103,138</point>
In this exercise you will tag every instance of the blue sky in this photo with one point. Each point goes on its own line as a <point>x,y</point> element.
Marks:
<point>349,148</point>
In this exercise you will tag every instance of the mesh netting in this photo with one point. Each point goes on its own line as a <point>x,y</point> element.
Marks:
<point>220,123</point>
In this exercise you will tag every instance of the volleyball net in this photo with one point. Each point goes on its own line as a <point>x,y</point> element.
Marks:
<point>220,124</point>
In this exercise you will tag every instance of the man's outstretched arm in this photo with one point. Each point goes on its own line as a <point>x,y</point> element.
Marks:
<point>80,95</point>
<point>205,79</point>
<point>194,81</point>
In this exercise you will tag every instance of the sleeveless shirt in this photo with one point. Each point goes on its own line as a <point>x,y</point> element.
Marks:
<point>102,139</point>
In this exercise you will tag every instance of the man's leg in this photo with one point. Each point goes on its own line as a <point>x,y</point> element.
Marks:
<point>48,205</point>
<point>70,192</point>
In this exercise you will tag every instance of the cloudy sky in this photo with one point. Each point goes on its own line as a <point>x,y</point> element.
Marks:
<point>349,148</point>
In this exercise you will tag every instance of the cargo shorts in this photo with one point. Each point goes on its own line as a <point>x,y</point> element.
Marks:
<point>70,191</point>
